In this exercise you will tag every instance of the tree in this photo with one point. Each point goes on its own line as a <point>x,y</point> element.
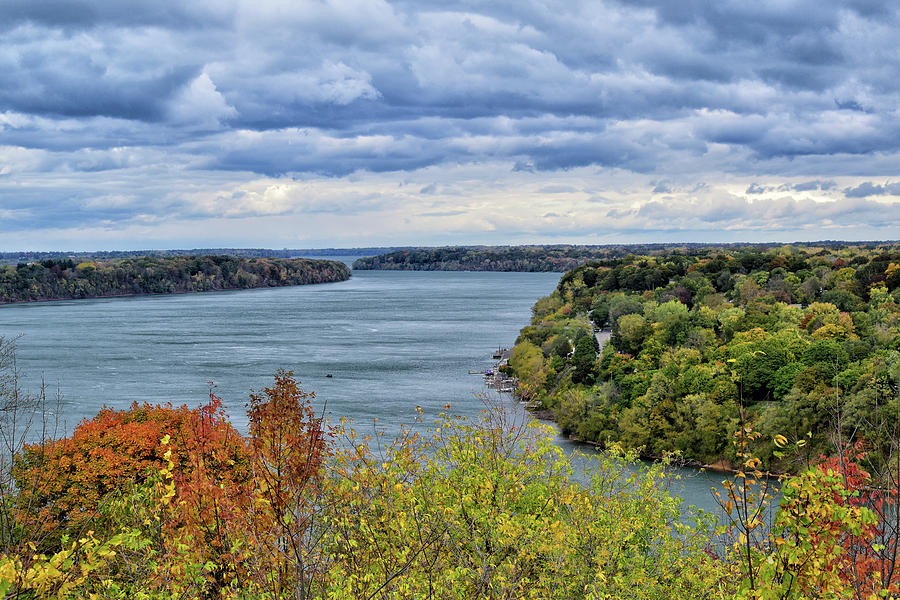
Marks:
<point>79,472</point>
<point>290,447</point>
<point>583,360</point>
<point>631,332</point>
<point>527,362</point>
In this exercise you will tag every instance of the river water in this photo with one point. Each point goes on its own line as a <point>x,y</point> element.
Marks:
<point>391,340</point>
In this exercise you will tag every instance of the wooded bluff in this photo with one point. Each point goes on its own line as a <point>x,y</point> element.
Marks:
<point>797,341</point>
<point>548,257</point>
<point>53,279</point>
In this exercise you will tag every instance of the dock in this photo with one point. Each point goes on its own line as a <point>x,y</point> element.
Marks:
<point>495,378</point>
<point>502,354</point>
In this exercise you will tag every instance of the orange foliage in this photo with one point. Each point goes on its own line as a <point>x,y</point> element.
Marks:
<point>242,505</point>
<point>287,438</point>
<point>64,481</point>
<point>872,558</point>
<point>290,447</point>
<point>213,482</point>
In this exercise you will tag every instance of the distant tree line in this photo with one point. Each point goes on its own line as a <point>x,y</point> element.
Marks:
<point>63,278</point>
<point>484,258</point>
<point>37,256</point>
<point>547,258</point>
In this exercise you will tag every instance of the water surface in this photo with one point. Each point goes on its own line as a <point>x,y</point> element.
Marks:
<point>390,340</point>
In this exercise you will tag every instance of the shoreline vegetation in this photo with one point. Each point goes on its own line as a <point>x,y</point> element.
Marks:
<point>542,258</point>
<point>548,416</point>
<point>64,279</point>
<point>29,256</point>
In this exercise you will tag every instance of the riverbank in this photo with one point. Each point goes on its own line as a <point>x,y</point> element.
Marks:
<point>721,466</point>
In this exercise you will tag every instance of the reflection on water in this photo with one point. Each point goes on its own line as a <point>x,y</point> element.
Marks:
<point>695,487</point>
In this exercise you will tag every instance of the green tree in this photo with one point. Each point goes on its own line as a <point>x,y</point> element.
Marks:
<point>584,359</point>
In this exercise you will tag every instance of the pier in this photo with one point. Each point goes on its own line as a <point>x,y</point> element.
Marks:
<point>495,378</point>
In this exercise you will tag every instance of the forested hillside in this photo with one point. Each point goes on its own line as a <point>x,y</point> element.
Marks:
<point>63,279</point>
<point>796,341</point>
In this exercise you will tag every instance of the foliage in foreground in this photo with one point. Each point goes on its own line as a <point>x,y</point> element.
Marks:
<point>158,502</point>
<point>472,509</point>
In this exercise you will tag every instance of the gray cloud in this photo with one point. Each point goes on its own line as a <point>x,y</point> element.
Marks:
<point>813,185</point>
<point>755,188</point>
<point>867,188</point>
<point>806,186</point>
<point>85,14</point>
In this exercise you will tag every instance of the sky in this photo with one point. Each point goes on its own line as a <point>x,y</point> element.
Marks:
<point>343,123</point>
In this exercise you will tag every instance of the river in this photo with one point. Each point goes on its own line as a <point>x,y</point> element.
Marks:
<point>391,340</point>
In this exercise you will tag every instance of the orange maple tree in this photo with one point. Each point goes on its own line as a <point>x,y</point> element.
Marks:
<point>871,561</point>
<point>243,505</point>
<point>63,482</point>
<point>290,446</point>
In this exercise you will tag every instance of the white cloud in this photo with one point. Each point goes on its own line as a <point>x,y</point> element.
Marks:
<point>200,105</point>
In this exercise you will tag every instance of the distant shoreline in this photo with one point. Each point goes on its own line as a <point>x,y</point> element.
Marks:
<point>53,280</point>
<point>553,258</point>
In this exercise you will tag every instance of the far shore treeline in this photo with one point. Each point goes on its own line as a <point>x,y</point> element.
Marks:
<point>63,278</point>
<point>27,256</point>
<point>551,258</point>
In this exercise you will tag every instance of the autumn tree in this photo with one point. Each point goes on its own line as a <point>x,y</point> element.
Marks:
<point>290,446</point>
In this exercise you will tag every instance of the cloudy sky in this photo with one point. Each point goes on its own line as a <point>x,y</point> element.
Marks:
<point>316,123</point>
